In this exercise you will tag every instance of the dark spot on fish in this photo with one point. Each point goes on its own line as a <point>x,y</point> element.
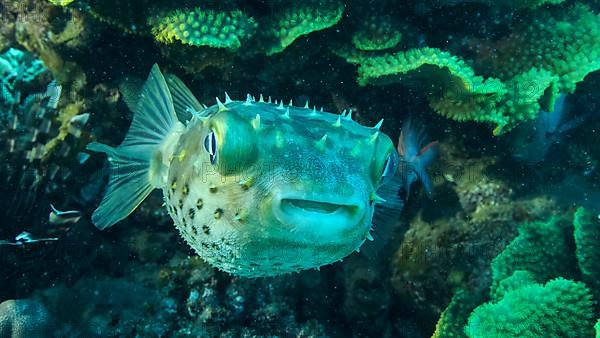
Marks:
<point>173,185</point>
<point>245,186</point>
<point>212,189</point>
<point>180,204</point>
<point>185,190</point>
<point>204,244</point>
<point>206,229</point>
<point>199,204</point>
<point>254,265</point>
<point>195,231</point>
<point>218,213</point>
<point>192,213</point>
<point>214,245</point>
<point>276,264</point>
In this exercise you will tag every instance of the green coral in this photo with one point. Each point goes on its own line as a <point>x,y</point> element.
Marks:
<point>377,33</point>
<point>199,27</point>
<point>560,308</point>
<point>300,18</point>
<point>516,281</point>
<point>61,3</point>
<point>530,251</point>
<point>453,88</point>
<point>587,244</point>
<point>453,319</point>
<point>597,327</point>
<point>565,42</point>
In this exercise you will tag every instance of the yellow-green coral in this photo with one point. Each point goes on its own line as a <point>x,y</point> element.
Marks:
<point>451,85</point>
<point>284,26</point>
<point>560,308</point>
<point>377,33</point>
<point>199,27</point>
<point>61,3</point>
<point>453,319</point>
<point>529,251</point>
<point>564,42</point>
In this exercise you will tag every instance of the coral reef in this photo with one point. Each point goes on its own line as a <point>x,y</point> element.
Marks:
<point>464,67</point>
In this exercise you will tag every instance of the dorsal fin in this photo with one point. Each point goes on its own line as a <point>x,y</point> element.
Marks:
<point>137,165</point>
<point>183,100</point>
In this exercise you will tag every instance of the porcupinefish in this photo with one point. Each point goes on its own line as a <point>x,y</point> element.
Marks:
<point>255,188</point>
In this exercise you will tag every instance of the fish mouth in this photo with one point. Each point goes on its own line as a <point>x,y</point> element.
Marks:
<point>308,206</point>
<point>321,216</point>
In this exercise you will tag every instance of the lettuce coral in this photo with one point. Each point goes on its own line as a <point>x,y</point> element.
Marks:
<point>199,27</point>
<point>529,251</point>
<point>560,308</point>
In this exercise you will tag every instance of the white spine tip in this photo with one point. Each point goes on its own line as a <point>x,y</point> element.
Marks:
<point>220,105</point>
<point>378,125</point>
<point>290,104</point>
<point>227,98</point>
<point>286,115</point>
<point>280,105</point>
<point>338,122</point>
<point>256,122</point>
<point>369,236</point>
<point>349,115</point>
<point>306,105</point>
<point>248,100</point>
<point>261,99</point>
<point>269,99</point>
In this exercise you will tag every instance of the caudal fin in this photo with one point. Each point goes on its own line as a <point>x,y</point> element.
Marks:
<point>132,169</point>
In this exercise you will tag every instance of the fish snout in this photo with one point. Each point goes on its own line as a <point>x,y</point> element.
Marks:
<point>319,215</point>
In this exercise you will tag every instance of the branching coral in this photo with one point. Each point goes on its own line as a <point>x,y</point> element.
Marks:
<point>560,308</point>
<point>201,27</point>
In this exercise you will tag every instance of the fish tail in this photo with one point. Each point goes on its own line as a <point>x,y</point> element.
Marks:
<point>140,163</point>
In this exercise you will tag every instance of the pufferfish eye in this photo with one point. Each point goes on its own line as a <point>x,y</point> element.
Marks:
<point>210,144</point>
<point>389,168</point>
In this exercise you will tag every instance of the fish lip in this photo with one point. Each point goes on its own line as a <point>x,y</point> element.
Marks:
<point>320,215</point>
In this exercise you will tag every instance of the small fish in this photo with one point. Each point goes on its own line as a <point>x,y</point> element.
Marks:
<point>256,187</point>
<point>58,217</point>
<point>530,142</point>
<point>26,238</point>
<point>415,156</point>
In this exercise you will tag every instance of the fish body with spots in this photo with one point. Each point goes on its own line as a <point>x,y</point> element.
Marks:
<point>255,188</point>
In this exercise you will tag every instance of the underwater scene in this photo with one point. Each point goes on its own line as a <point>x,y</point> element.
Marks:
<point>315,168</point>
